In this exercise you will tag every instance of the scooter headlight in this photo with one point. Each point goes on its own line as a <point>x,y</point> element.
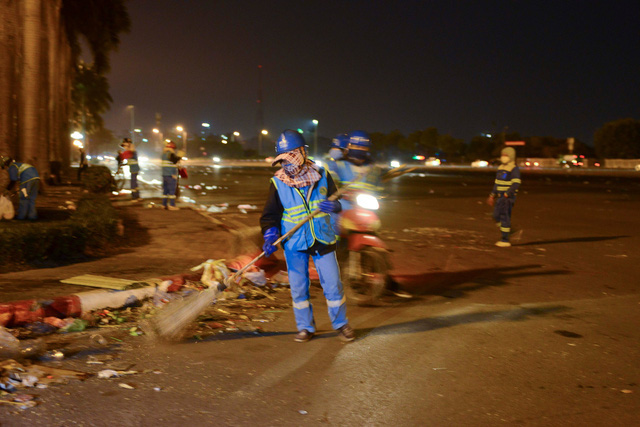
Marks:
<point>367,201</point>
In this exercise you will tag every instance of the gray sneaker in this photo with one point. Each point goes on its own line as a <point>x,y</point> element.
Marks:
<point>345,333</point>
<point>303,336</point>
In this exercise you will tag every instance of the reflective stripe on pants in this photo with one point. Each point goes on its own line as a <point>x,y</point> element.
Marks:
<point>169,185</point>
<point>327,267</point>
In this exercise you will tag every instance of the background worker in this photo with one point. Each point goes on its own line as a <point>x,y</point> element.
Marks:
<point>83,164</point>
<point>29,185</point>
<point>503,195</point>
<point>358,164</point>
<point>296,190</point>
<point>337,154</point>
<point>130,155</point>
<point>169,176</point>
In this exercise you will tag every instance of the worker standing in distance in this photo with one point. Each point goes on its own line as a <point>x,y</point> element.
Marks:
<point>169,176</point>
<point>503,195</point>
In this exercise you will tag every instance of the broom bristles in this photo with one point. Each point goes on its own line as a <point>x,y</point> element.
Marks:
<point>171,321</point>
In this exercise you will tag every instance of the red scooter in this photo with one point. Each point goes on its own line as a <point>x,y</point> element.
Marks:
<point>364,256</point>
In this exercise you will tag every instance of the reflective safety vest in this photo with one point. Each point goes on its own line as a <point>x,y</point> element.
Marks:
<point>168,167</point>
<point>345,172</point>
<point>22,172</point>
<point>298,203</point>
<point>507,182</point>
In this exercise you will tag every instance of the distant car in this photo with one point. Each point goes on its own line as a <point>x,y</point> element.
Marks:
<point>479,164</point>
<point>432,161</point>
<point>529,163</point>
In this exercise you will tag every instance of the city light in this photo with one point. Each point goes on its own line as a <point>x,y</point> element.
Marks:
<point>77,135</point>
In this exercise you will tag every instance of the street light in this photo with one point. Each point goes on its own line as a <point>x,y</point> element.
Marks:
<point>184,138</point>
<point>315,137</point>
<point>262,132</point>
<point>159,143</point>
<point>132,129</point>
<point>235,134</point>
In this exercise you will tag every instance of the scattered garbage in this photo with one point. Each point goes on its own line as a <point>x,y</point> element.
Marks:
<point>127,386</point>
<point>258,278</point>
<point>245,208</point>
<point>107,373</point>
<point>216,209</point>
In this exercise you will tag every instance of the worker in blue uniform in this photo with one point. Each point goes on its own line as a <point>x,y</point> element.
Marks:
<point>335,163</point>
<point>130,155</point>
<point>358,170</point>
<point>169,176</point>
<point>298,188</point>
<point>29,185</point>
<point>503,195</point>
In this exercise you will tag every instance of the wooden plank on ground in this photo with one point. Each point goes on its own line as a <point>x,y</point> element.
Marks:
<point>108,282</point>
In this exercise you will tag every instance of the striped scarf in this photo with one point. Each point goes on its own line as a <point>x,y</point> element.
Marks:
<point>297,171</point>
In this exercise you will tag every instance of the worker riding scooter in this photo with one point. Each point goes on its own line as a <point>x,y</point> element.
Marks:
<point>363,254</point>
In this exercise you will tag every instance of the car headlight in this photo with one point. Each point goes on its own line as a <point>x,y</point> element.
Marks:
<point>367,201</point>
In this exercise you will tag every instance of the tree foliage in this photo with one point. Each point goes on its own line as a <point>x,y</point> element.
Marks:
<point>99,22</point>
<point>90,95</point>
<point>619,139</point>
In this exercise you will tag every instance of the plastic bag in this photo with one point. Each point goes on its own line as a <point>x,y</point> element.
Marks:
<point>6,208</point>
<point>183,173</point>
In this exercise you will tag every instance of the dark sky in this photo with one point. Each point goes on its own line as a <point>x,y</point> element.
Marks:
<point>561,68</point>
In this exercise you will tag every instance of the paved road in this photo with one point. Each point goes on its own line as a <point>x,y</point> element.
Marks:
<point>543,333</point>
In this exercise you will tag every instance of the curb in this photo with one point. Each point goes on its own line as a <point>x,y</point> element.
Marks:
<point>17,313</point>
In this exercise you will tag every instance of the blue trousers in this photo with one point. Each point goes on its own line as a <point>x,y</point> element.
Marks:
<point>135,194</point>
<point>27,206</point>
<point>169,185</point>
<point>502,214</point>
<point>327,267</point>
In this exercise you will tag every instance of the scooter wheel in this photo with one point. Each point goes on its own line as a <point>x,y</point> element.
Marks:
<point>370,284</point>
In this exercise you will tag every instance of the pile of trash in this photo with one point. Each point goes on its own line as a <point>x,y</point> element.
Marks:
<point>252,300</point>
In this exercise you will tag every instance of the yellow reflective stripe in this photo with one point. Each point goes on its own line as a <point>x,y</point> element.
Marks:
<point>500,188</point>
<point>23,167</point>
<point>30,179</point>
<point>505,229</point>
<point>337,303</point>
<point>301,305</point>
<point>166,163</point>
<point>516,180</point>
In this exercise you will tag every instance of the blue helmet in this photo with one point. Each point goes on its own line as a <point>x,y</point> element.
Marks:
<point>340,141</point>
<point>289,140</point>
<point>359,144</point>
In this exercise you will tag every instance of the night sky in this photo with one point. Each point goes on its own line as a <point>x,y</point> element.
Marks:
<point>558,68</point>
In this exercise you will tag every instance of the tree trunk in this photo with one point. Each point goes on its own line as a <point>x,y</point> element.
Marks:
<point>30,77</point>
<point>8,51</point>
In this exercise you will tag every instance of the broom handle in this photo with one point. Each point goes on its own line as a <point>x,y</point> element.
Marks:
<point>288,234</point>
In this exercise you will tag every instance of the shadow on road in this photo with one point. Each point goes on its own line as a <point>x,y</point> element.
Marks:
<point>516,314</point>
<point>572,240</point>
<point>447,283</point>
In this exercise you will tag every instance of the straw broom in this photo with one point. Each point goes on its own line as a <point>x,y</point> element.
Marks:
<point>171,322</point>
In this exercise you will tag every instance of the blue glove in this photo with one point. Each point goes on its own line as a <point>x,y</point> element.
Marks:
<point>328,206</point>
<point>270,236</point>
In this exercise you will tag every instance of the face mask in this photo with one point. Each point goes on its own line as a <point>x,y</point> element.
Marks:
<point>291,169</point>
<point>335,153</point>
<point>504,159</point>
